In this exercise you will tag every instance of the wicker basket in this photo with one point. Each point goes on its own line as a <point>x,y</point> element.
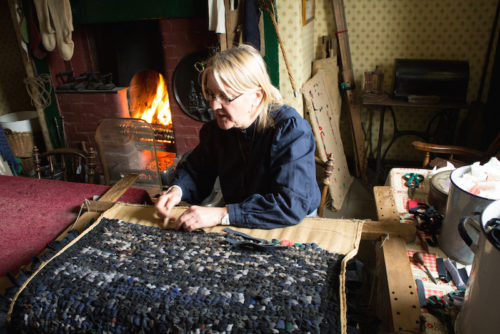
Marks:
<point>21,144</point>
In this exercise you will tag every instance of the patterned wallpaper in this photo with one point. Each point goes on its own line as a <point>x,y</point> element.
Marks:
<point>299,48</point>
<point>13,95</point>
<point>379,32</point>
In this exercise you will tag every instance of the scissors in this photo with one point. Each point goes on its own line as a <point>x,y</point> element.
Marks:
<point>413,181</point>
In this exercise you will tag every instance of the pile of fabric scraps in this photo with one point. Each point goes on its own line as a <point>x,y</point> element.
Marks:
<point>446,308</point>
<point>56,26</point>
<point>482,180</point>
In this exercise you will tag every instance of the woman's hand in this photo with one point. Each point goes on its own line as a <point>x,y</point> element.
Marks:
<point>167,201</point>
<point>197,217</point>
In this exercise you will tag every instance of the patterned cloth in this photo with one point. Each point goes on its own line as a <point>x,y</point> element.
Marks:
<point>6,153</point>
<point>127,278</point>
<point>400,192</point>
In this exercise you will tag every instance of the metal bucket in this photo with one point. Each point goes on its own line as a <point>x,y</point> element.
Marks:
<point>460,204</point>
<point>21,121</point>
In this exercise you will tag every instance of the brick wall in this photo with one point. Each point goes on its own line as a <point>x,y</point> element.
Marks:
<point>181,37</point>
<point>81,113</point>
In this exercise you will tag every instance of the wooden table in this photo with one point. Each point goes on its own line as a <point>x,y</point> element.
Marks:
<point>384,102</point>
<point>392,203</point>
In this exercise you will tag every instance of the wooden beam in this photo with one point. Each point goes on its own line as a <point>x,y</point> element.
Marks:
<point>231,18</point>
<point>403,298</point>
<point>28,67</point>
<point>401,287</point>
<point>112,195</point>
<point>119,188</point>
<point>374,230</point>
<point>268,6</point>
<point>97,206</point>
<point>348,81</point>
<point>386,205</point>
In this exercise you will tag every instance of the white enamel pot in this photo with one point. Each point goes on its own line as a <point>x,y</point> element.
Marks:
<point>481,308</point>
<point>460,204</point>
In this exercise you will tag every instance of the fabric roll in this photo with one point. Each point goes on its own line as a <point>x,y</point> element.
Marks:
<point>60,14</point>
<point>6,152</point>
<point>251,34</point>
<point>217,16</point>
<point>46,30</point>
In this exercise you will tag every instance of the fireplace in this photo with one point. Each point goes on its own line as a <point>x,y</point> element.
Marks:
<point>149,100</point>
<point>172,39</point>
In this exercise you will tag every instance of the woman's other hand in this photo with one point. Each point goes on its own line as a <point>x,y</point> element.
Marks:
<point>167,201</point>
<point>197,217</point>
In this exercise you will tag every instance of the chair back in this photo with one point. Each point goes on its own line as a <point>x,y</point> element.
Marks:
<point>458,155</point>
<point>65,164</point>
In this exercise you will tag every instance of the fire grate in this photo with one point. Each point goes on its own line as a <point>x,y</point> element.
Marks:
<point>164,138</point>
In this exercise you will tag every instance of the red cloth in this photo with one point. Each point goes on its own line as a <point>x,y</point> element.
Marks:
<point>34,212</point>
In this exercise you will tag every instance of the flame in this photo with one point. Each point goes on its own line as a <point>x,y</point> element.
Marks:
<point>151,102</point>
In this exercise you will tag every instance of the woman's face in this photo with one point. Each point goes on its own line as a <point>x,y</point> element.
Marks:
<point>232,110</point>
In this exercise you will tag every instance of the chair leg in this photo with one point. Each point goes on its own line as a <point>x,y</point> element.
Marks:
<point>427,160</point>
<point>37,162</point>
<point>91,163</point>
<point>326,185</point>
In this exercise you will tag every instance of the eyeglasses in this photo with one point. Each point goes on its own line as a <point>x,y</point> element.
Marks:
<point>222,99</point>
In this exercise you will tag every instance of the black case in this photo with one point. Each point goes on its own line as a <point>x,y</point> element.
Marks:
<point>443,81</point>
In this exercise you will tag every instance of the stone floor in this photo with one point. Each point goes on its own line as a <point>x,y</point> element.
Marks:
<point>359,203</point>
<point>360,200</point>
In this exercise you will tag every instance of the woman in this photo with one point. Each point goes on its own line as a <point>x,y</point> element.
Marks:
<point>262,152</point>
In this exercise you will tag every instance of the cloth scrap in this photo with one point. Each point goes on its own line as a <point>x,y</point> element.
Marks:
<point>217,16</point>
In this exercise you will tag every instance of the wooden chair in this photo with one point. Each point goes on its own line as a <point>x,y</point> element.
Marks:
<point>68,164</point>
<point>465,155</point>
<point>324,181</point>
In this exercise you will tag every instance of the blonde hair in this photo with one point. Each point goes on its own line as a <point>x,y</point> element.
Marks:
<point>243,70</point>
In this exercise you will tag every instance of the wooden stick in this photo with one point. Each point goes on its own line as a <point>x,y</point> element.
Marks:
<point>328,168</point>
<point>232,18</point>
<point>374,230</point>
<point>30,71</point>
<point>119,188</point>
<point>348,77</point>
<point>97,206</point>
<point>113,194</point>
<point>267,5</point>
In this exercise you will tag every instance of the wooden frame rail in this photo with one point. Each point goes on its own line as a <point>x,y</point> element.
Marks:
<point>395,278</point>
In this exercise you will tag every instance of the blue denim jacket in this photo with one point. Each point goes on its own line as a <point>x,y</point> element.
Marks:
<point>267,178</point>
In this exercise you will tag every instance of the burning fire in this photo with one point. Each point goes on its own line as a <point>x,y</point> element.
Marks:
<point>148,98</point>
